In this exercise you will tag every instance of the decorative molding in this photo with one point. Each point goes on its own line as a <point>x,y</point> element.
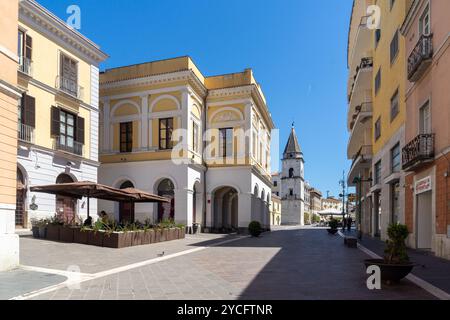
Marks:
<point>123,102</point>
<point>165,96</point>
<point>30,12</point>
<point>10,90</point>
<point>9,54</point>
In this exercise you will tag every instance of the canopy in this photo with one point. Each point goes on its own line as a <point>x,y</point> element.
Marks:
<point>90,189</point>
<point>330,212</point>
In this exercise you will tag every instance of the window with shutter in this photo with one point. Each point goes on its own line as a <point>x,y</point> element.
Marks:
<point>80,130</point>
<point>29,111</point>
<point>54,121</point>
<point>69,75</point>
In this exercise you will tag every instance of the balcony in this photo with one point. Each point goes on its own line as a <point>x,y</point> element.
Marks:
<point>420,58</point>
<point>70,87</point>
<point>363,43</point>
<point>362,113</point>
<point>418,151</point>
<point>60,144</point>
<point>25,133</point>
<point>361,161</point>
<point>25,66</point>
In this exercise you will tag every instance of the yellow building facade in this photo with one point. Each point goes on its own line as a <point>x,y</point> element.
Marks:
<point>58,113</point>
<point>9,100</point>
<point>202,141</point>
<point>275,218</point>
<point>376,113</point>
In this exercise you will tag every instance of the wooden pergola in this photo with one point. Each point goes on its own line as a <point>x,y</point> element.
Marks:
<point>89,189</point>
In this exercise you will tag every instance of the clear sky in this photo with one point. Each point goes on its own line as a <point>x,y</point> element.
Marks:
<point>296,48</point>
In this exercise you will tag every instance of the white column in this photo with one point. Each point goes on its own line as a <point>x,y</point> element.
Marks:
<point>209,210</point>
<point>248,127</point>
<point>186,107</point>
<point>9,248</point>
<point>107,139</point>
<point>245,209</point>
<point>144,122</point>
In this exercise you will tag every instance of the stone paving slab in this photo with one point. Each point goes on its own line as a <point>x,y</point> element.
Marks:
<point>286,264</point>
<point>17,282</point>
<point>92,259</point>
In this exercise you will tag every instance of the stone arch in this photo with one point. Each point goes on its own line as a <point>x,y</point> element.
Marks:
<point>118,182</point>
<point>163,97</point>
<point>125,102</point>
<point>166,188</point>
<point>196,111</point>
<point>225,215</point>
<point>66,207</point>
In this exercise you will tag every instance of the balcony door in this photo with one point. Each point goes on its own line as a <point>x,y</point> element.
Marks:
<point>65,206</point>
<point>425,119</point>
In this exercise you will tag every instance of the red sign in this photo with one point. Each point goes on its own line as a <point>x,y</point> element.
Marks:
<point>423,185</point>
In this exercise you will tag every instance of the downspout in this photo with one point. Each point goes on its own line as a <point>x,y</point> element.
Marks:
<point>205,200</point>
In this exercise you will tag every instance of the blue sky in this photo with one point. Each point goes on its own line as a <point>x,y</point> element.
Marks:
<point>296,48</point>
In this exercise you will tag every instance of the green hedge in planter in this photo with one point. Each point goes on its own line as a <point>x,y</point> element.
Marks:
<point>117,240</point>
<point>80,235</point>
<point>95,238</point>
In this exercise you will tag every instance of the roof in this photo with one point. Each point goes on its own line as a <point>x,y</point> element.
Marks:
<point>292,145</point>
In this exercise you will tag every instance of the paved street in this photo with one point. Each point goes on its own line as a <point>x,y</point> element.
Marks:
<point>288,263</point>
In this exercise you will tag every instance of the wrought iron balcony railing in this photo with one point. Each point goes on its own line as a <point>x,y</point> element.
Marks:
<point>366,63</point>
<point>70,87</point>
<point>74,147</point>
<point>25,65</point>
<point>25,133</point>
<point>420,57</point>
<point>419,150</point>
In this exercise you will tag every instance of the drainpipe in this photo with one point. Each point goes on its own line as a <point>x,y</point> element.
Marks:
<point>205,200</point>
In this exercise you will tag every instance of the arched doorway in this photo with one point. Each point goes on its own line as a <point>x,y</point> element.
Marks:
<point>166,210</point>
<point>65,206</point>
<point>126,209</point>
<point>21,191</point>
<point>225,215</point>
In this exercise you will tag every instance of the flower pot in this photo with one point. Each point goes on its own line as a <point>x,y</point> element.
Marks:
<point>172,234</point>
<point>136,238</point>
<point>390,272</point>
<point>80,235</point>
<point>42,232</point>
<point>332,231</point>
<point>96,238</point>
<point>117,240</point>
<point>53,232</point>
<point>35,231</point>
<point>66,234</point>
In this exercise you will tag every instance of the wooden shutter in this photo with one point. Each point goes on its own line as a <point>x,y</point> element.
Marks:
<point>28,46</point>
<point>54,121</point>
<point>29,111</point>
<point>80,130</point>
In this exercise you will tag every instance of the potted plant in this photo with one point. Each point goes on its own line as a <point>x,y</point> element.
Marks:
<point>67,231</point>
<point>157,231</point>
<point>181,231</point>
<point>80,235</point>
<point>255,229</point>
<point>95,237</point>
<point>395,265</point>
<point>42,225</point>
<point>333,229</point>
<point>53,228</point>
<point>35,227</point>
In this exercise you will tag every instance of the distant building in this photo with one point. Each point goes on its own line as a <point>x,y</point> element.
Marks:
<point>331,203</point>
<point>275,211</point>
<point>308,213</point>
<point>315,200</point>
<point>276,183</point>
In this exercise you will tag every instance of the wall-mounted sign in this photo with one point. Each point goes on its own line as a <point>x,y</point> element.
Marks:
<point>423,185</point>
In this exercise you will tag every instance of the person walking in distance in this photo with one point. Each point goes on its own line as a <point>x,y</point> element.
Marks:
<point>349,223</point>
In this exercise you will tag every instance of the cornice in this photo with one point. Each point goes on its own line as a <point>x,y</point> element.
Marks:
<point>182,75</point>
<point>32,13</point>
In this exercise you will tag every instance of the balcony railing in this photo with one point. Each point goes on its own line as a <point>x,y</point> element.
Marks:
<point>25,133</point>
<point>366,63</point>
<point>365,151</point>
<point>61,144</point>
<point>25,65</point>
<point>364,109</point>
<point>420,57</point>
<point>70,87</point>
<point>419,150</point>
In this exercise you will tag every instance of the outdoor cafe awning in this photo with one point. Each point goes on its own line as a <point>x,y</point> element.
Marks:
<point>94,190</point>
<point>330,212</point>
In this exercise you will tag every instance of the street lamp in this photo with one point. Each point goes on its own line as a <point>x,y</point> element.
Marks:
<point>359,181</point>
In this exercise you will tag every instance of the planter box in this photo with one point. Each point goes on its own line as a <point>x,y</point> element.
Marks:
<point>43,232</point>
<point>117,240</point>
<point>164,234</point>
<point>157,236</point>
<point>80,236</point>
<point>148,237</point>
<point>53,232</point>
<point>181,233</point>
<point>96,238</point>
<point>136,237</point>
<point>172,234</point>
<point>66,234</point>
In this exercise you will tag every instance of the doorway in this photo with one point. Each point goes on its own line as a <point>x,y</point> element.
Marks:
<point>424,220</point>
<point>65,206</point>
<point>166,210</point>
<point>21,191</point>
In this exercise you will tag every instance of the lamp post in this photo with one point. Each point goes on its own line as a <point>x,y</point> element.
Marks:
<point>359,181</point>
<point>342,195</point>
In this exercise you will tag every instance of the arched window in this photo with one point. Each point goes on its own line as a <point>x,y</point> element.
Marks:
<point>291,172</point>
<point>166,210</point>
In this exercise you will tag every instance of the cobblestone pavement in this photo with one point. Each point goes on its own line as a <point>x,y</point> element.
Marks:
<point>288,263</point>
